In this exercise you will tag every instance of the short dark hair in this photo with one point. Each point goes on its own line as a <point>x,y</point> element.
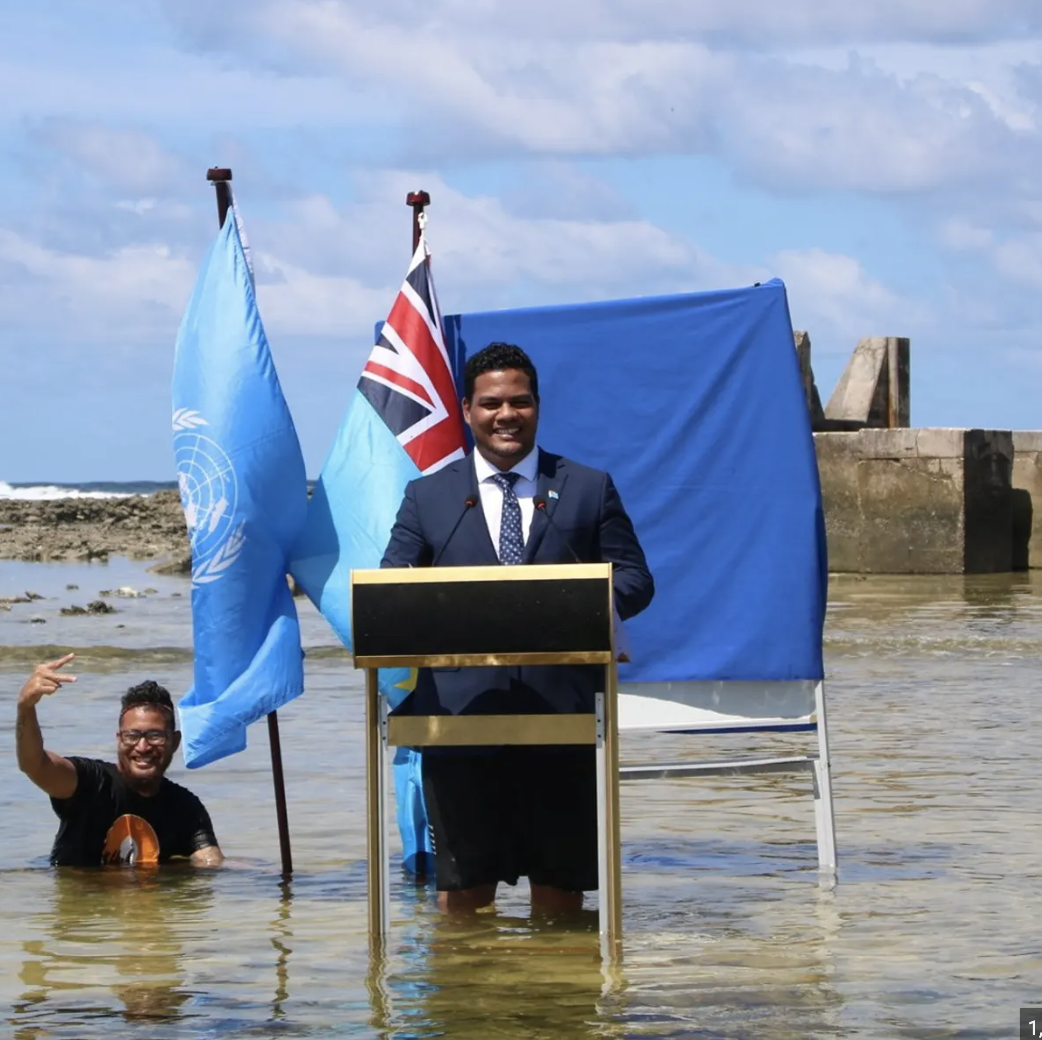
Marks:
<point>148,694</point>
<point>498,357</point>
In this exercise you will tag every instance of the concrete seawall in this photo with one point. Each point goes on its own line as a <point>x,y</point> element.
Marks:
<point>906,500</point>
<point>1027,499</point>
<point>931,501</point>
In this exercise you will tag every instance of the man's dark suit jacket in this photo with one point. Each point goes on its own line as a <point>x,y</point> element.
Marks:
<point>587,515</point>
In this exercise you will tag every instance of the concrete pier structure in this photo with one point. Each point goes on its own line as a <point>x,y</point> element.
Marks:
<point>874,387</point>
<point>902,500</point>
<point>1027,499</point>
<point>919,501</point>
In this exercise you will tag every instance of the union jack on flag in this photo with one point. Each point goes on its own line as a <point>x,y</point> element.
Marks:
<point>408,379</point>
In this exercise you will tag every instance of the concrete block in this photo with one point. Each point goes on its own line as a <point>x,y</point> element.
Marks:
<point>891,508</point>
<point>988,484</point>
<point>889,444</point>
<point>1027,440</point>
<point>988,492</point>
<point>838,445</point>
<point>940,442</point>
<point>875,386</point>
<point>1027,499</point>
<point>913,518</point>
<point>899,389</point>
<point>838,472</point>
<point>810,388</point>
<point>856,389</point>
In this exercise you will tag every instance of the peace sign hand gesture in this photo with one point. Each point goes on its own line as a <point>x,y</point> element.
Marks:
<point>45,680</point>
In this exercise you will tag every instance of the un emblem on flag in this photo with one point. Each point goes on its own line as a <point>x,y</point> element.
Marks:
<point>209,498</point>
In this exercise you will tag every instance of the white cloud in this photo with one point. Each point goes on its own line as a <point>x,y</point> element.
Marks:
<point>547,81</point>
<point>622,78</point>
<point>961,235</point>
<point>330,109</point>
<point>295,302</point>
<point>861,129</point>
<point>332,271</point>
<point>540,94</point>
<point>486,254</point>
<point>739,79</point>
<point>760,23</point>
<point>121,298</point>
<point>189,91</point>
<point>557,188</point>
<point>834,297</point>
<point>125,159</point>
<point>1020,259</point>
<point>553,80</point>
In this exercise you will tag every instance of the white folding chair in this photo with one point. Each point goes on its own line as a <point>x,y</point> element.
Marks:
<point>736,707</point>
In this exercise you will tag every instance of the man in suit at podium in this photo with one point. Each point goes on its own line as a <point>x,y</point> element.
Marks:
<point>498,814</point>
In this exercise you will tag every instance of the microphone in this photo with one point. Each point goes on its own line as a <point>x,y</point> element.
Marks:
<point>468,504</point>
<point>540,503</point>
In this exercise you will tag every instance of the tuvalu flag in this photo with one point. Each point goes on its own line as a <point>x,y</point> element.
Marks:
<point>403,420</point>
<point>244,491</point>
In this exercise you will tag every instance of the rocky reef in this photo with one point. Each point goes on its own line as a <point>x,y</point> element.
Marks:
<point>142,527</point>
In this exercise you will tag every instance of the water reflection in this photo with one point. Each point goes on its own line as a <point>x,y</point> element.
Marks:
<point>282,943</point>
<point>107,934</point>
<point>493,975</point>
<point>739,962</point>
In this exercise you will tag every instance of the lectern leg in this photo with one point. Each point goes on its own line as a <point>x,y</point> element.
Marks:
<point>376,811</point>
<point>384,821</point>
<point>609,851</point>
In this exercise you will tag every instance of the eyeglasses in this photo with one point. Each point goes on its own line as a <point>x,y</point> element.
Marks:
<point>154,737</point>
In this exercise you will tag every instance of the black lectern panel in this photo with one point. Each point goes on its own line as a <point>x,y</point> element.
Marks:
<point>455,617</point>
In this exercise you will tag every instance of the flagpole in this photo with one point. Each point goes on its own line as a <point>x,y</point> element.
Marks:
<point>419,200</point>
<point>220,178</point>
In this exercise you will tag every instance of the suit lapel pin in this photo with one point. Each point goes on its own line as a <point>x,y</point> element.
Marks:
<point>551,493</point>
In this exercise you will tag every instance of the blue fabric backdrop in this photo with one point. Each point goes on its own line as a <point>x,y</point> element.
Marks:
<point>694,404</point>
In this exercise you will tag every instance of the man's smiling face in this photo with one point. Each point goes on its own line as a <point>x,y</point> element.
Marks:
<point>503,415</point>
<point>145,745</point>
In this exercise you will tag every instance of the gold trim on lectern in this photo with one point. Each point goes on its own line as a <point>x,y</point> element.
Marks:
<point>441,575</point>
<point>478,730</point>
<point>484,660</point>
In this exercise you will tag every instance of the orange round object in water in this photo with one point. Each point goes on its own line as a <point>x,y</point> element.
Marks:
<point>131,842</point>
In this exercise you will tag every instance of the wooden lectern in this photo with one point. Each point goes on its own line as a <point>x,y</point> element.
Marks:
<point>458,617</point>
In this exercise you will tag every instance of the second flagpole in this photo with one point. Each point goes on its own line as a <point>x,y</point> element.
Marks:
<point>419,201</point>
<point>221,179</point>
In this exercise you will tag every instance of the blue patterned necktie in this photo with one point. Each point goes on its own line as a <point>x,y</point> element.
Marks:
<point>511,539</point>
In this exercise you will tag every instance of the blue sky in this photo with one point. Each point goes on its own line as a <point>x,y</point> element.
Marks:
<point>882,158</point>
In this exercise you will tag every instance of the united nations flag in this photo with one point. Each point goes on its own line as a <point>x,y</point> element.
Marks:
<point>244,492</point>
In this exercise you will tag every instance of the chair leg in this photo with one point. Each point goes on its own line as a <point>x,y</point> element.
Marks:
<point>824,818</point>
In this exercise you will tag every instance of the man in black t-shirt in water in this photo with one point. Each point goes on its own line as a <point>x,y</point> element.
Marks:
<point>127,813</point>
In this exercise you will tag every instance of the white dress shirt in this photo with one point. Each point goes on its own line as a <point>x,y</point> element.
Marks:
<point>492,495</point>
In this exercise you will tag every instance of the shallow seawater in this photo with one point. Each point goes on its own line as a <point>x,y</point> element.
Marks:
<point>932,931</point>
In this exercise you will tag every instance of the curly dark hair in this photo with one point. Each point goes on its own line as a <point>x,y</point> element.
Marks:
<point>148,694</point>
<point>498,357</point>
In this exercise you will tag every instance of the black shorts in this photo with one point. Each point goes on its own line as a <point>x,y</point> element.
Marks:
<point>513,812</point>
